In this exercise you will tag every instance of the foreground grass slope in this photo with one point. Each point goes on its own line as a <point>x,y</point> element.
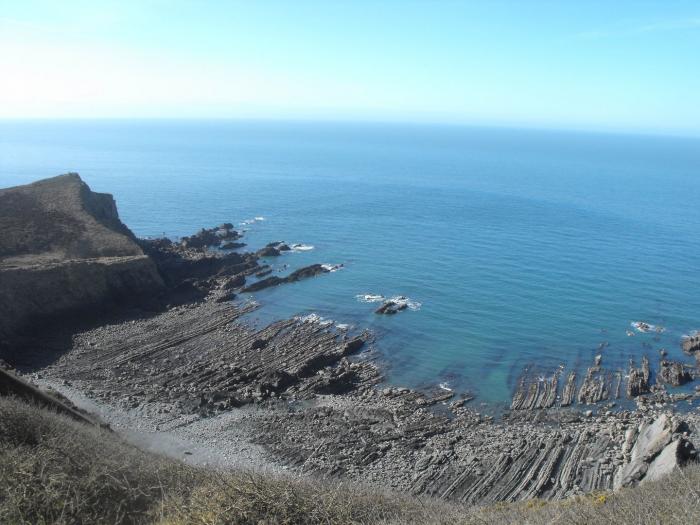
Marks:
<point>55,470</point>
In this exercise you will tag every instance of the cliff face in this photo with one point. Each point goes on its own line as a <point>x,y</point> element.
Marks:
<point>64,250</point>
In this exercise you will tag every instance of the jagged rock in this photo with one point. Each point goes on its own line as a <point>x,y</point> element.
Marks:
<point>638,381</point>
<point>673,373</point>
<point>569,391</point>
<point>594,387</point>
<point>535,393</point>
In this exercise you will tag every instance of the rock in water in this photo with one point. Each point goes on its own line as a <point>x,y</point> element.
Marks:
<point>391,307</point>
<point>298,275</point>
<point>638,382</point>
<point>273,249</point>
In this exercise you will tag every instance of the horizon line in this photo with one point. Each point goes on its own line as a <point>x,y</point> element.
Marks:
<point>592,129</point>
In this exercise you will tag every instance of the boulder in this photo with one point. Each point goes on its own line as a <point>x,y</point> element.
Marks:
<point>652,438</point>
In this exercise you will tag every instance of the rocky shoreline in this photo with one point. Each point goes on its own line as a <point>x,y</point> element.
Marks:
<point>308,396</point>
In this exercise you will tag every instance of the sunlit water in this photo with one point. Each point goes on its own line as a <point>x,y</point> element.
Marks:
<point>520,246</point>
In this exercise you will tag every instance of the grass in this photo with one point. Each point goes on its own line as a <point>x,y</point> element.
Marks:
<point>55,470</point>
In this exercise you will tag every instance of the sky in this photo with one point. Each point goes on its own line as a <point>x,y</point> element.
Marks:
<point>622,65</point>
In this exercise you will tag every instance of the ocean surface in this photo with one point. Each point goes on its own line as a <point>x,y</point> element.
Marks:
<point>515,248</point>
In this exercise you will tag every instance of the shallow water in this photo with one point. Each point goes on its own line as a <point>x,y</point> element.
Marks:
<point>521,247</point>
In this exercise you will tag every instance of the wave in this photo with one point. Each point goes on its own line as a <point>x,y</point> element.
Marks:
<point>445,386</point>
<point>369,298</point>
<point>401,299</point>
<point>251,221</point>
<point>332,267</point>
<point>645,328</point>
<point>302,247</point>
<point>315,319</point>
<point>397,299</point>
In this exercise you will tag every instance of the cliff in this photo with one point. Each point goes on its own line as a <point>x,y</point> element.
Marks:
<point>63,250</point>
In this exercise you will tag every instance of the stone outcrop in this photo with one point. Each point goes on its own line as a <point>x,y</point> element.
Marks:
<point>211,237</point>
<point>63,250</point>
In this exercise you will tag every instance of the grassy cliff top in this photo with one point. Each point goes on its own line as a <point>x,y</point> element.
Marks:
<point>58,219</point>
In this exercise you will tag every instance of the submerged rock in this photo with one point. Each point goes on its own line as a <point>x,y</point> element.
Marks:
<point>302,273</point>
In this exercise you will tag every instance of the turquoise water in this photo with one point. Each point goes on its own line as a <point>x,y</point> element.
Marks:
<point>520,246</point>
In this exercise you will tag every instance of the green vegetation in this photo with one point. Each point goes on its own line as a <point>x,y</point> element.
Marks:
<point>55,470</point>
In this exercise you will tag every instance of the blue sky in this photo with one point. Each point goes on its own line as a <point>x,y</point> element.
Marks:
<point>619,65</point>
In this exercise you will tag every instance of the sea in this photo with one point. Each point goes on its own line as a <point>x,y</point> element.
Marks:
<point>513,248</point>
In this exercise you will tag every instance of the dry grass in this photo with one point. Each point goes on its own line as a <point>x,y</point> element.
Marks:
<point>54,470</point>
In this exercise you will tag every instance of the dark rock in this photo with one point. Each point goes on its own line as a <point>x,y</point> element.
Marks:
<point>268,251</point>
<point>302,273</point>
<point>273,249</point>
